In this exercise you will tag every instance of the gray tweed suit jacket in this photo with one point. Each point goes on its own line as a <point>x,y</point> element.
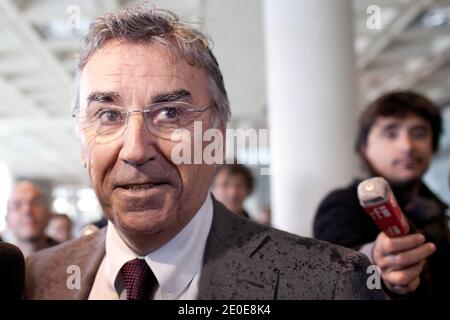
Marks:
<point>243,260</point>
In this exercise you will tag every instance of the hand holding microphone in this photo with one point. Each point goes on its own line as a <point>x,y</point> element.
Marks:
<point>401,257</point>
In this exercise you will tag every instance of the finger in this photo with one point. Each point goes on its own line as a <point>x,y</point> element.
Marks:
<point>403,277</point>
<point>409,258</point>
<point>414,284</point>
<point>395,245</point>
<point>405,289</point>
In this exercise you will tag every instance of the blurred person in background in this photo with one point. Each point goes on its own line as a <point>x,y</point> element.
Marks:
<point>59,228</point>
<point>93,227</point>
<point>27,217</point>
<point>232,184</point>
<point>265,216</point>
<point>397,136</point>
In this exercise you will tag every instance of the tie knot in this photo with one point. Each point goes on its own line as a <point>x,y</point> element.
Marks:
<point>138,280</point>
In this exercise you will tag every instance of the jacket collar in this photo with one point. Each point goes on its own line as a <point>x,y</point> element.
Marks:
<point>228,269</point>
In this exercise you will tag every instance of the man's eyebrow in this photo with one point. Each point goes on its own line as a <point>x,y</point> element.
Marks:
<point>171,96</point>
<point>103,96</point>
<point>391,126</point>
<point>421,126</point>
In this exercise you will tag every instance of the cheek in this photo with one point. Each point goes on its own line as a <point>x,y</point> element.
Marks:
<point>99,159</point>
<point>242,193</point>
<point>426,148</point>
<point>40,216</point>
<point>379,155</point>
<point>195,178</point>
<point>165,148</point>
<point>188,174</point>
<point>426,156</point>
<point>11,221</point>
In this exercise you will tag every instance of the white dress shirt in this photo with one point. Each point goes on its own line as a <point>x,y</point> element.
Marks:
<point>176,265</point>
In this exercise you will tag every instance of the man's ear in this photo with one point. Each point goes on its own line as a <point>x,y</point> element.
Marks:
<point>366,165</point>
<point>363,151</point>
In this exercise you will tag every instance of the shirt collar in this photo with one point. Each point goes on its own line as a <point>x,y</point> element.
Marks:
<point>175,263</point>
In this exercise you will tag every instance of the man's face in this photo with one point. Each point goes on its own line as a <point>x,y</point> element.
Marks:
<point>140,188</point>
<point>59,229</point>
<point>400,149</point>
<point>231,190</point>
<point>27,215</point>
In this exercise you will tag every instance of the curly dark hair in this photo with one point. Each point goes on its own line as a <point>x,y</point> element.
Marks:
<point>399,104</point>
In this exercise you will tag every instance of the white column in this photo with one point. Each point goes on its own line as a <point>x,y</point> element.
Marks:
<point>311,91</point>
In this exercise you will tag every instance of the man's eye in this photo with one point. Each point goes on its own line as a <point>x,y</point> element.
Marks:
<point>419,133</point>
<point>16,205</point>
<point>109,116</point>
<point>390,134</point>
<point>171,112</point>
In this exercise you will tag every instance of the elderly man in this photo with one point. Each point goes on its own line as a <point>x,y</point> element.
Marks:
<point>144,79</point>
<point>27,217</point>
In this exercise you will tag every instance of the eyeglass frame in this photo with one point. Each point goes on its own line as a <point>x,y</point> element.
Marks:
<point>146,110</point>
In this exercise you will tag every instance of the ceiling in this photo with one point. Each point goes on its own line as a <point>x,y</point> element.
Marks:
<point>39,41</point>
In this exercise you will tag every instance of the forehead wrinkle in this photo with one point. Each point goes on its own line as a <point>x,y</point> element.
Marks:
<point>142,75</point>
<point>136,81</point>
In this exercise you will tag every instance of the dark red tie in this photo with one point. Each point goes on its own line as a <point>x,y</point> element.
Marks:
<point>138,280</point>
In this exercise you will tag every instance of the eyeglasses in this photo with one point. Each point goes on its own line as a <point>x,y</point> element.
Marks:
<point>107,123</point>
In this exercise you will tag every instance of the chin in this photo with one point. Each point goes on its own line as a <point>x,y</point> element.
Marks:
<point>145,222</point>
<point>32,237</point>
<point>407,178</point>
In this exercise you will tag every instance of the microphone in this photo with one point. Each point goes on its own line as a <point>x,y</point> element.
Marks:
<point>12,272</point>
<point>376,197</point>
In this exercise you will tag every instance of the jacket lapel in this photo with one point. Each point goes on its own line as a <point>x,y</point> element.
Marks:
<point>229,272</point>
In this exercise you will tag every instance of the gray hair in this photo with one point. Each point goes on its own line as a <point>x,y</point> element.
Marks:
<point>144,23</point>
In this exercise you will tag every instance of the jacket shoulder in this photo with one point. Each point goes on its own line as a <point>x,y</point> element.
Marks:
<point>346,195</point>
<point>330,271</point>
<point>65,250</point>
<point>246,260</point>
<point>47,270</point>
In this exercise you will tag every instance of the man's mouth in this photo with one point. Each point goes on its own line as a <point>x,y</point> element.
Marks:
<point>141,186</point>
<point>408,162</point>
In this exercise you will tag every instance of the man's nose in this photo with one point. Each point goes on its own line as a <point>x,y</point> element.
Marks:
<point>139,145</point>
<point>232,192</point>
<point>26,209</point>
<point>405,142</point>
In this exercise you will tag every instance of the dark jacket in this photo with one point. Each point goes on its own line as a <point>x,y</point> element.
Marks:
<point>243,260</point>
<point>341,220</point>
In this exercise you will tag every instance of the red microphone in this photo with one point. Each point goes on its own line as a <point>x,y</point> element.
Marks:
<point>376,197</point>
